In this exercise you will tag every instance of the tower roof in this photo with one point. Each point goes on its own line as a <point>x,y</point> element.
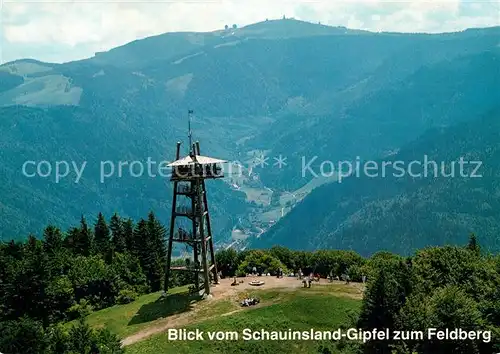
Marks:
<point>202,160</point>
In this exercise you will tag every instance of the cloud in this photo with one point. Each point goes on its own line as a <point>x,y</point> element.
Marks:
<point>67,30</point>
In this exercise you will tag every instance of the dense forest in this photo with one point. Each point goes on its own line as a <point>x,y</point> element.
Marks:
<point>64,276</point>
<point>402,213</point>
<point>44,284</point>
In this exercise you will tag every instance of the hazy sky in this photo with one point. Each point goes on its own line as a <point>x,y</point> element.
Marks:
<point>59,31</point>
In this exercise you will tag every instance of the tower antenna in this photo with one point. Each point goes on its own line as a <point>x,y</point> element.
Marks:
<point>190,134</point>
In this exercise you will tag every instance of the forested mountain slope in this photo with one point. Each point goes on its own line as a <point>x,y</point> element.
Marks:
<point>285,87</point>
<point>404,211</point>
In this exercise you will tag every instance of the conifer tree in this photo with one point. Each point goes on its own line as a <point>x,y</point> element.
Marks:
<point>473,245</point>
<point>52,240</point>
<point>54,247</point>
<point>142,242</point>
<point>72,236</point>
<point>31,281</point>
<point>158,234</point>
<point>83,240</point>
<point>116,226</point>
<point>14,249</point>
<point>128,232</point>
<point>102,236</point>
<point>148,255</point>
<point>384,298</point>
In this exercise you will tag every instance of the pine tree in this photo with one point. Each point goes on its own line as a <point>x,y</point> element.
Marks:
<point>54,246</point>
<point>148,255</point>
<point>14,249</point>
<point>158,235</point>
<point>102,239</point>
<point>83,239</point>
<point>384,297</point>
<point>473,245</point>
<point>52,240</point>
<point>72,236</point>
<point>142,242</point>
<point>31,281</point>
<point>117,229</point>
<point>128,232</point>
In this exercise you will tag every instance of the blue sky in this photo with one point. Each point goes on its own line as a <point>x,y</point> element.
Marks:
<point>64,30</point>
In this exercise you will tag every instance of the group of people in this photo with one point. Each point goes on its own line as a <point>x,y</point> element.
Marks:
<point>279,273</point>
<point>307,281</point>
<point>345,277</point>
<point>250,302</point>
<point>311,277</point>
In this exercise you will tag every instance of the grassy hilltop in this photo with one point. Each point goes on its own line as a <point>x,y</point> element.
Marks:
<point>322,307</point>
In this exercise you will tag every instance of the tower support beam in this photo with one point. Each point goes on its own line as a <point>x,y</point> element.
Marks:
<point>190,203</point>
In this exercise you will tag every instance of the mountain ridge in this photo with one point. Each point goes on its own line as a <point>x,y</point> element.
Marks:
<point>266,25</point>
<point>331,95</point>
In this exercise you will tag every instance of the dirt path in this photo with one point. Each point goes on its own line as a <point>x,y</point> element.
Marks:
<point>224,291</point>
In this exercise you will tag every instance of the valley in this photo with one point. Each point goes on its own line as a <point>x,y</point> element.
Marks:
<point>266,208</point>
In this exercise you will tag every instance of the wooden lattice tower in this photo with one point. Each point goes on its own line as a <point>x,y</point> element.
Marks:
<point>188,177</point>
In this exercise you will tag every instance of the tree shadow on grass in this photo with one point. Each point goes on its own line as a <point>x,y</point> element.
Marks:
<point>164,307</point>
